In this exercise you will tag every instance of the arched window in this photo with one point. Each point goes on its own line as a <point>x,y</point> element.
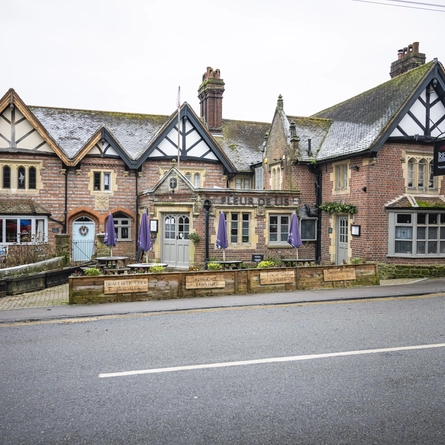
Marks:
<point>32,178</point>
<point>188,176</point>
<point>21,178</point>
<point>410,173</point>
<point>421,174</point>
<point>6,177</point>
<point>197,180</point>
<point>431,179</point>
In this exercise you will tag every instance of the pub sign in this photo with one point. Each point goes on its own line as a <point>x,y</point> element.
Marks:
<point>439,158</point>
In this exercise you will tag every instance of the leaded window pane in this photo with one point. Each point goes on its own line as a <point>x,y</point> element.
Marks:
<point>432,247</point>
<point>421,232</point>
<point>403,247</point>
<point>404,232</point>
<point>421,247</point>
<point>432,233</point>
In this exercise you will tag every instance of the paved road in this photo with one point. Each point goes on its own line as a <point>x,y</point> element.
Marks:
<point>334,372</point>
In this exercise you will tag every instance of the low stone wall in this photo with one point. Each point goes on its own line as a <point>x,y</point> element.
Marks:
<point>51,264</point>
<point>189,284</point>
<point>394,271</point>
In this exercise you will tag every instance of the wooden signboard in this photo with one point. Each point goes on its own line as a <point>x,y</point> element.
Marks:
<point>203,281</point>
<point>125,286</point>
<point>339,274</point>
<point>283,277</point>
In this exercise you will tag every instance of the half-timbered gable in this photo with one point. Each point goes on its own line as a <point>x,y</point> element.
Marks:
<point>378,157</point>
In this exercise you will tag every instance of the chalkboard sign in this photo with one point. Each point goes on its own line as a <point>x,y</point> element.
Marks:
<point>257,258</point>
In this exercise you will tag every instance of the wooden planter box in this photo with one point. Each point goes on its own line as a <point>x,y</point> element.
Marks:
<point>190,284</point>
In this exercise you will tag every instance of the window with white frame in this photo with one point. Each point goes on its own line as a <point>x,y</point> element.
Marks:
<point>341,176</point>
<point>419,174</point>
<point>239,227</point>
<point>276,178</point>
<point>101,181</point>
<point>417,234</point>
<point>23,229</point>
<point>259,178</point>
<point>278,229</point>
<point>122,227</point>
<point>242,183</point>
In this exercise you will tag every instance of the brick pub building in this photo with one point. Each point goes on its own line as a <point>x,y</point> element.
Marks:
<point>367,162</point>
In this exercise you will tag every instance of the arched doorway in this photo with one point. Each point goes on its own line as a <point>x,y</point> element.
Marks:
<point>83,232</point>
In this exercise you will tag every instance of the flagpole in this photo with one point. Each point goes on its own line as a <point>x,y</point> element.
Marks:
<point>179,126</point>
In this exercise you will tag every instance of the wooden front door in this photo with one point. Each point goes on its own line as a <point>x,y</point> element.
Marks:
<point>342,247</point>
<point>175,240</point>
<point>83,239</point>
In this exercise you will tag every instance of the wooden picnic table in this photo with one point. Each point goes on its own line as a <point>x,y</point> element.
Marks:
<point>227,264</point>
<point>291,262</point>
<point>111,262</point>
<point>145,265</point>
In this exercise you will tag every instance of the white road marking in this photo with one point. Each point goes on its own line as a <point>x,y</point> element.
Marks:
<point>269,360</point>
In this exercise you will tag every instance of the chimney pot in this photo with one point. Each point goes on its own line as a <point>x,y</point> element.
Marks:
<point>210,96</point>
<point>407,59</point>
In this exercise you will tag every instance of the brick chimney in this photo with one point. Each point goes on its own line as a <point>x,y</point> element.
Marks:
<point>210,96</point>
<point>407,59</point>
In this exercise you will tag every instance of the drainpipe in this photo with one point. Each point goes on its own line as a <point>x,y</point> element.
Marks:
<point>137,212</point>
<point>64,226</point>
<point>207,205</point>
<point>316,170</point>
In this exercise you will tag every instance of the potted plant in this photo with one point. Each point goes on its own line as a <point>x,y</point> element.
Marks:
<point>194,237</point>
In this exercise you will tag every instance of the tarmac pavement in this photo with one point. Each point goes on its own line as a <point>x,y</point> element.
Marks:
<point>52,304</point>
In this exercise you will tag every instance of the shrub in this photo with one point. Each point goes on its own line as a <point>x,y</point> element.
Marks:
<point>357,261</point>
<point>157,269</point>
<point>214,266</point>
<point>194,237</point>
<point>92,271</point>
<point>266,263</point>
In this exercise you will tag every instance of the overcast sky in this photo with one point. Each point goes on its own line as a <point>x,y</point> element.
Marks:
<point>131,55</point>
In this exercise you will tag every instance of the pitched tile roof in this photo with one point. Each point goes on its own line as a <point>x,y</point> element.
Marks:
<point>242,142</point>
<point>22,207</point>
<point>417,201</point>
<point>358,123</point>
<point>72,129</point>
<point>309,128</point>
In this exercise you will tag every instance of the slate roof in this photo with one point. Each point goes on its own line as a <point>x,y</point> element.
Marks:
<point>72,129</point>
<point>358,123</point>
<point>353,126</point>
<point>242,142</point>
<point>21,207</point>
<point>309,128</point>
